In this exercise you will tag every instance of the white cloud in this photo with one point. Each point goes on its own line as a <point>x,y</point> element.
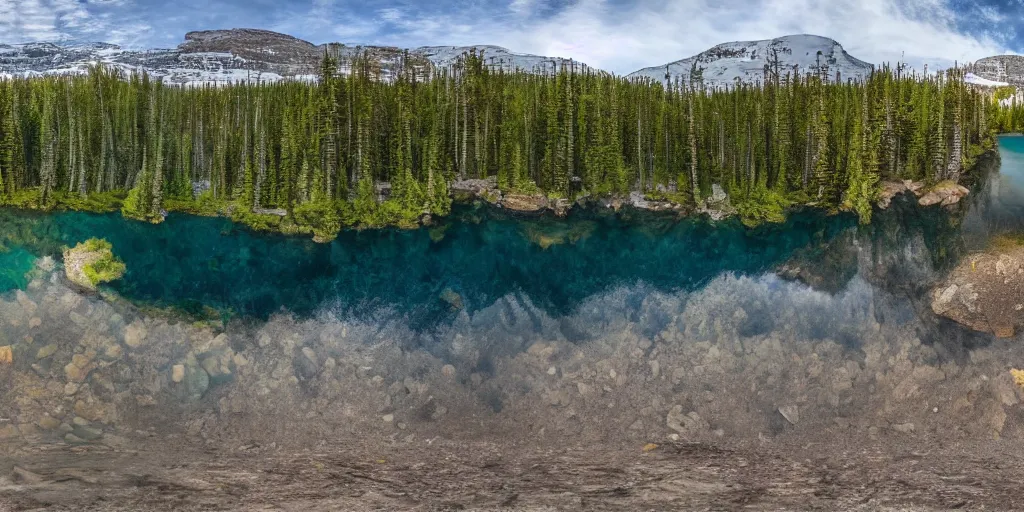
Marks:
<point>51,20</point>
<point>602,33</point>
<point>654,32</point>
<point>522,7</point>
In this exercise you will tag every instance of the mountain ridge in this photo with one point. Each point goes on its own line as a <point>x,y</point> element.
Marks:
<point>241,55</point>
<point>247,54</point>
<point>726,64</point>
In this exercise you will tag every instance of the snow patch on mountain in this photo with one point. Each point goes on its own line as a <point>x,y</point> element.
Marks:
<point>250,55</point>
<point>495,57</point>
<point>1000,68</point>
<point>973,79</point>
<point>746,61</point>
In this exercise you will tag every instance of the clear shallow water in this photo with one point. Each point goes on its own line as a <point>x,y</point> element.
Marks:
<point>480,256</point>
<point>998,207</point>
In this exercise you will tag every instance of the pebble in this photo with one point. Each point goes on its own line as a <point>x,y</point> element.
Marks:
<point>46,351</point>
<point>655,368</point>
<point>135,334</point>
<point>448,371</point>
<point>388,418</point>
<point>906,428</point>
<point>49,423</point>
<point>177,373</point>
<point>791,413</point>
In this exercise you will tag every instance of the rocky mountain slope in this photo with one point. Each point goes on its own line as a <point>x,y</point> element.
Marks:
<point>745,61</point>
<point>238,55</point>
<point>1001,68</point>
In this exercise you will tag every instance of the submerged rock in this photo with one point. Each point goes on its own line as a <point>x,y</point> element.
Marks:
<point>985,292</point>
<point>791,413</point>
<point>452,298</point>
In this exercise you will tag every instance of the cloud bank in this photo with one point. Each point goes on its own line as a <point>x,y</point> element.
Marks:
<point>615,35</point>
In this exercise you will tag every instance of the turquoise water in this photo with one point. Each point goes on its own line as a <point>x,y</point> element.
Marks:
<point>15,263</point>
<point>480,255</point>
<point>998,207</point>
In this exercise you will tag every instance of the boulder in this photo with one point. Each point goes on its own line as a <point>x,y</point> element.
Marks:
<point>685,424</point>
<point>525,203</point>
<point>945,193</point>
<point>791,413</point>
<point>194,380</point>
<point>717,206</point>
<point>985,292</point>
<point>890,189</point>
<point>486,189</point>
<point>452,298</point>
<point>79,367</point>
<point>135,334</point>
<point>91,263</point>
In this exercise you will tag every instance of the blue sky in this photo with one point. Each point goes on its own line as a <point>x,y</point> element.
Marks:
<point>617,35</point>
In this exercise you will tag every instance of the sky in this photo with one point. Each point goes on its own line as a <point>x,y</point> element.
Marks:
<point>616,35</point>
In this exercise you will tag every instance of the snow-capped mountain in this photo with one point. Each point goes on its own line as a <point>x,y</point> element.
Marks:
<point>495,57</point>
<point>1004,69</point>
<point>240,55</point>
<point>746,61</point>
<point>217,56</point>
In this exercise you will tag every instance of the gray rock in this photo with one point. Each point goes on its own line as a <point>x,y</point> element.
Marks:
<point>306,364</point>
<point>791,413</point>
<point>195,383</point>
<point>906,428</point>
<point>86,433</point>
<point>686,424</point>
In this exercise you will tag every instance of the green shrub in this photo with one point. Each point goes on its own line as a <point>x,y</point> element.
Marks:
<point>761,206</point>
<point>103,267</point>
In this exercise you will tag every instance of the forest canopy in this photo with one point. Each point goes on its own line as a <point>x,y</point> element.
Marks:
<point>315,157</point>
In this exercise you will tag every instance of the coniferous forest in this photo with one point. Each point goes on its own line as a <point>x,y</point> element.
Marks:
<point>309,158</point>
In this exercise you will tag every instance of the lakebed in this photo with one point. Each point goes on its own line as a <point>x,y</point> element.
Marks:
<point>604,361</point>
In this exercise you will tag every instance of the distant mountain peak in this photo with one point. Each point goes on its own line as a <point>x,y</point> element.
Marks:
<point>247,54</point>
<point>744,61</point>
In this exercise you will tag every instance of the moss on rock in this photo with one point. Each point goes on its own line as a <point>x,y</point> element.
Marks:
<point>92,263</point>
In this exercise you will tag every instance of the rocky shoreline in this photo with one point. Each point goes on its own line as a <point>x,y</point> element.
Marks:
<point>717,206</point>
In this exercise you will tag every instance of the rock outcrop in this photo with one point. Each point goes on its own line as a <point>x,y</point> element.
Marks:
<point>985,292</point>
<point>91,263</point>
<point>1000,68</point>
<point>890,189</point>
<point>945,193</point>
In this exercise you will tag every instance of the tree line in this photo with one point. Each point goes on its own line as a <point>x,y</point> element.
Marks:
<point>314,158</point>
